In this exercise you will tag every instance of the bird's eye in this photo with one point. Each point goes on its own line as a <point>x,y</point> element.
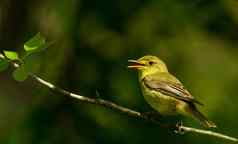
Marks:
<point>151,62</point>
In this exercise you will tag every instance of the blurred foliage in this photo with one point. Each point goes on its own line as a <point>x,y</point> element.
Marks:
<point>92,42</point>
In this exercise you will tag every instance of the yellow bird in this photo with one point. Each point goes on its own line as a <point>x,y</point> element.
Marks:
<point>164,92</point>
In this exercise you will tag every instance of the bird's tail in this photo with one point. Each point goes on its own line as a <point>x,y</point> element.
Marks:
<point>202,119</point>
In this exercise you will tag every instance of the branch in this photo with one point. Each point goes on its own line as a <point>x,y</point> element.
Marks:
<point>179,128</point>
<point>207,132</point>
<point>132,113</point>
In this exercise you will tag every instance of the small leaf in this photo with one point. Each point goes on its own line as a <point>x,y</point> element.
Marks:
<point>38,42</point>
<point>20,74</point>
<point>3,64</point>
<point>2,56</point>
<point>11,55</point>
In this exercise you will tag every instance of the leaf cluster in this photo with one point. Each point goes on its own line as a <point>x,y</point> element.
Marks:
<point>25,62</point>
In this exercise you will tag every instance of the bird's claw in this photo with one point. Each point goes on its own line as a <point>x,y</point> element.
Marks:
<point>179,128</point>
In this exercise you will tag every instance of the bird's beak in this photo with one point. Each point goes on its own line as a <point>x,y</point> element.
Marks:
<point>135,64</point>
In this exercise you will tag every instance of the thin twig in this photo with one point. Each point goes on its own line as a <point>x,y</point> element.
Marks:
<point>181,129</point>
<point>207,132</point>
<point>178,128</point>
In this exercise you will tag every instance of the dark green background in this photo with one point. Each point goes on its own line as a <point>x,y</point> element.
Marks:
<point>92,41</point>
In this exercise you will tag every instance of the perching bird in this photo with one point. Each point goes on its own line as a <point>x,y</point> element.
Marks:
<point>164,92</point>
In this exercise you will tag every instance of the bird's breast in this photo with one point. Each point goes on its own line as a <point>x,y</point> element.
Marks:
<point>165,105</point>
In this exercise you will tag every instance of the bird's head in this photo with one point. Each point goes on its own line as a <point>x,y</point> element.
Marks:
<point>148,65</point>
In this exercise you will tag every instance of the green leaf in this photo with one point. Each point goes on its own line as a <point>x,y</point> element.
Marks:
<point>2,56</point>
<point>20,74</point>
<point>3,64</point>
<point>36,43</point>
<point>11,55</point>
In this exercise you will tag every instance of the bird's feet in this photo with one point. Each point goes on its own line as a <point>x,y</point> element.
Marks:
<point>178,128</point>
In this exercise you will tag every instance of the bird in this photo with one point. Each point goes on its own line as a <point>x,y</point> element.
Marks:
<point>164,92</point>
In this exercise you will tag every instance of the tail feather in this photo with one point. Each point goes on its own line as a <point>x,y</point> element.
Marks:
<point>202,119</point>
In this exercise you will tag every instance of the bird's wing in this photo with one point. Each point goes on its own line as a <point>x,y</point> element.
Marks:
<point>174,89</point>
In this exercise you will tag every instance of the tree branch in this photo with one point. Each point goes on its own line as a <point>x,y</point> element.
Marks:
<point>132,113</point>
<point>178,128</point>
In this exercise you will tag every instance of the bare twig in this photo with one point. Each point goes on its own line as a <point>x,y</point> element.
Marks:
<point>178,128</point>
<point>207,132</point>
<point>181,129</point>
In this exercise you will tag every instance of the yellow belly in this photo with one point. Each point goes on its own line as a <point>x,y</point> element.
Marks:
<point>165,105</point>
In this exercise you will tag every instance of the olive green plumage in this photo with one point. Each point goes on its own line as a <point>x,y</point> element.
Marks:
<point>164,92</point>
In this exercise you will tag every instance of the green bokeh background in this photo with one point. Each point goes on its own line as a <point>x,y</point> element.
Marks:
<point>92,41</point>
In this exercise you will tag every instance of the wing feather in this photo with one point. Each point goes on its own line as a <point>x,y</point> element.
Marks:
<point>169,88</point>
